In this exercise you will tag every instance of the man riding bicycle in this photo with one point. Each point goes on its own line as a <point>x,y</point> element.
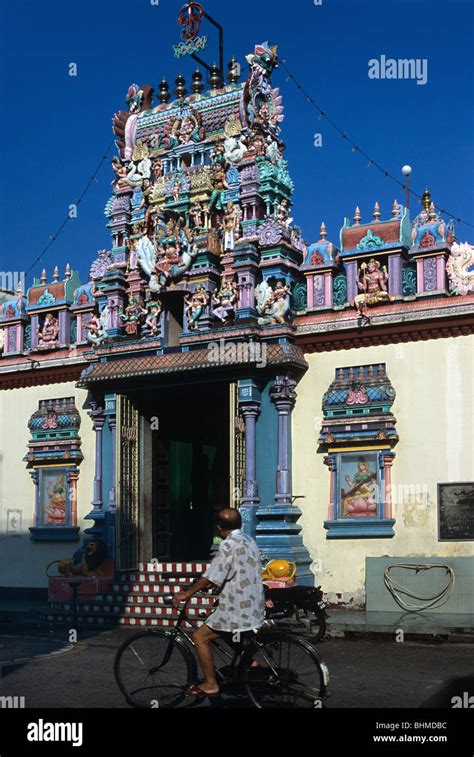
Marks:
<point>236,572</point>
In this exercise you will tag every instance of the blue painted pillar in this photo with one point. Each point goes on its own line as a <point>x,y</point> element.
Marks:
<point>249,404</point>
<point>278,533</point>
<point>111,463</point>
<point>96,531</point>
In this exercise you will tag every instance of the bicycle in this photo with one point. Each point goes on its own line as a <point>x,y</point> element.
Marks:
<point>154,668</point>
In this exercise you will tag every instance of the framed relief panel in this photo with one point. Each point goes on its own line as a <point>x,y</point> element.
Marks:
<point>456,512</point>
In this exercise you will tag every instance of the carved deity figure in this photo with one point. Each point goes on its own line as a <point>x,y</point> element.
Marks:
<point>195,304</point>
<point>48,335</point>
<point>359,500</point>
<point>231,223</point>
<point>133,315</point>
<point>225,300</point>
<point>147,191</point>
<point>185,130</point>
<point>157,168</point>
<point>272,304</point>
<point>152,322</point>
<point>196,213</point>
<point>168,255</point>
<point>373,285</point>
<point>96,329</point>
<point>257,145</point>
<point>282,215</point>
<point>55,511</point>
<point>120,170</point>
<point>217,200</point>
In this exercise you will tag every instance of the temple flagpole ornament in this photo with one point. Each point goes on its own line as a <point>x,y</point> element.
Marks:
<point>190,20</point>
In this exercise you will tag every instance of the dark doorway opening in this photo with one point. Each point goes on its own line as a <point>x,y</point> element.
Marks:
<point>190,459</point>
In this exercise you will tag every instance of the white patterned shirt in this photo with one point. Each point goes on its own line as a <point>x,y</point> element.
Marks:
<point>236,569</point>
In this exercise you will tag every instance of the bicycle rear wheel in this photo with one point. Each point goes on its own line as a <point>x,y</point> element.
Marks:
<point>153,670</point>
<point>314,621</point>
<point>284,671</point>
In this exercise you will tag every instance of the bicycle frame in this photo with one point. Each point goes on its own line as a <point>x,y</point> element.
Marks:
<point>232,656</point>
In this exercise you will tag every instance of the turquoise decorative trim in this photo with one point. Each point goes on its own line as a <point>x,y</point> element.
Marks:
<point>360,528</point>
<point>190,47</point>
<point>340,289</point>
<point>47,298</point>
<point>370,242</point>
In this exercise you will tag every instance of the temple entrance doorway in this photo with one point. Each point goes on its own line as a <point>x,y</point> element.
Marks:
<point>187,473</point>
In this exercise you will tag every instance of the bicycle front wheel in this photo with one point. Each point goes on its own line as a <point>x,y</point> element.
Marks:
<point>284,671</point>
<point>153,670</point>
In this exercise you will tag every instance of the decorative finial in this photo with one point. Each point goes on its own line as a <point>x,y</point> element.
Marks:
<point>215,80</point>
<point>233,73</point>
<point>323,233</point>
<point>68,271</point>
<point>19,289</point>
<point>164,91</point>
<point>196,82</point>
<point>395,209</point>
<point>432,212</point>
<point>357,216</point>
<point>43,276</point>
<point>56,273</point>
<point>376,212</point>
<point>180,89</point>
<point>426,199</point>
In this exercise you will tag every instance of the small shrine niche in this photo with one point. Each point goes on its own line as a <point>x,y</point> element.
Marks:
<point>358,434</point>
<point>320,267</point>
<point>49,309</point>
<point>53,458</point>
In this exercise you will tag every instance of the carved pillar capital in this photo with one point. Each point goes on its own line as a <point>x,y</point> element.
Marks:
<point>96,413</point>
<point>250,409</point>
<point>283,393</point>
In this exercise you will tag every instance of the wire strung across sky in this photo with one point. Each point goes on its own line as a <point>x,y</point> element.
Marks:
<point>54,236</point>
<point>356,148</point>
<point>322,113</point>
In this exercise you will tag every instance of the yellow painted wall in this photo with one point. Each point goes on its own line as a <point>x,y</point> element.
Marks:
<point>23,561</point>
<point>434,382</point>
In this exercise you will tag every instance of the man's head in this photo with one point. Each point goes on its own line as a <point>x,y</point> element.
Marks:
<point>228,520</point>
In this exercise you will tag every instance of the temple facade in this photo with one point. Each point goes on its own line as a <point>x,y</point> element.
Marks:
<point>216,357</point>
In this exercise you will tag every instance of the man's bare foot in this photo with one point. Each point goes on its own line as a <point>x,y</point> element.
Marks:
<point>201,690</point>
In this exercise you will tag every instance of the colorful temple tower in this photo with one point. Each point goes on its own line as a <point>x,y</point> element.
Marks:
<point>214,356</point>
<point>203,263</point>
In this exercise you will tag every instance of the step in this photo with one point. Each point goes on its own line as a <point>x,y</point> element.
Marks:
<point>153,578</point>
<point>148,599</point>
<point>134,610</point>
<point>172,567</point>
<point>121,620</point>
<point>143,587</point>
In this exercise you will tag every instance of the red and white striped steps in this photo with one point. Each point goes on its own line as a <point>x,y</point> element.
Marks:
<point>138,598</point>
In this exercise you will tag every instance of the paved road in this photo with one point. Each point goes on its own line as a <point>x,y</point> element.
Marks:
<point>363,673</point>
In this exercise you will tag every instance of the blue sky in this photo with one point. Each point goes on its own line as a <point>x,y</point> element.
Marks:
<point>56,127</point>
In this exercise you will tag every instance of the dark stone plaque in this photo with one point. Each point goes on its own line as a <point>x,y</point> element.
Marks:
<point>456,512</point>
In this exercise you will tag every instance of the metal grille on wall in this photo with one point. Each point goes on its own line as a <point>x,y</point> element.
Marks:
<point>237,449</point>
<point>128,435</point>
